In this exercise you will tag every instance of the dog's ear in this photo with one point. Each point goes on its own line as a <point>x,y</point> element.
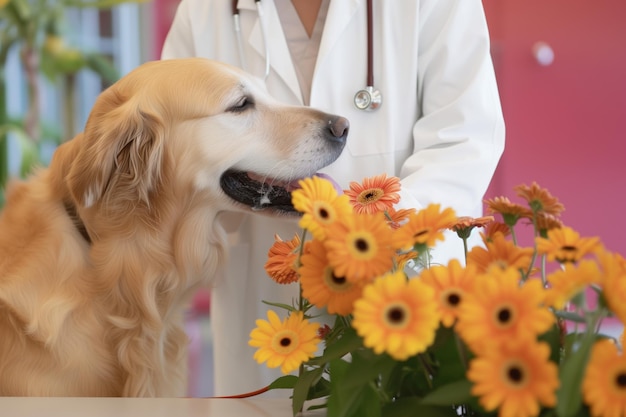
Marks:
<point>121,153</point>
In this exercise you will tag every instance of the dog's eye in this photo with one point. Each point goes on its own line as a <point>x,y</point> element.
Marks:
<point>243,104</point>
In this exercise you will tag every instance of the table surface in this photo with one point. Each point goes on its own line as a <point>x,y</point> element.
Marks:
<point>149,407</point>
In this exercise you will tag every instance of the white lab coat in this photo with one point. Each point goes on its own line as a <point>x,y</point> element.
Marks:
<point>440,128</point>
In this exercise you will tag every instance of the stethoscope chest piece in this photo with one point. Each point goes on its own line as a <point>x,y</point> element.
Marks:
<point>368,99</point>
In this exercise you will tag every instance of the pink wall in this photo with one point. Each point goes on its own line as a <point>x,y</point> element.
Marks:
<point>566,122</point>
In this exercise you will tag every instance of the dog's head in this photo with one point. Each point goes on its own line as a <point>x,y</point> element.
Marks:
<point>198,126</point>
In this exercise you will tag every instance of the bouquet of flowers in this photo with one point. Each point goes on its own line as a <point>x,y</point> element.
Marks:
<point>512,330</point>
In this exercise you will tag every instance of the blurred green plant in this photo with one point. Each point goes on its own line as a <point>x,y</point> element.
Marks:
<point>36,29</point>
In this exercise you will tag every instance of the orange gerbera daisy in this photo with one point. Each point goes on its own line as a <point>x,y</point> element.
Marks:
<point>396,315</point>
<point>424,227</point>
<point>499,309</point>
<point>320,204</point>
<point>375,194</point>
<point>451,283</point>
<point>286,343</point>
<point>493,228</point>
<point>516,378</point>
<point>501,253</point>
<point>511,212</point>
<point>566,245</point>
<point>281,260</point>
<point>465,224</point>
<point>569,281</point>
<point>396,218</point>
<point>545,222</point>
<point>539,199</point>
<point>360,248</point>
<point>604,384</point>
<point>322,287</point>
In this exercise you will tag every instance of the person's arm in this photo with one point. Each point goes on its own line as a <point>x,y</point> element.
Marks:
<point>459,137</point>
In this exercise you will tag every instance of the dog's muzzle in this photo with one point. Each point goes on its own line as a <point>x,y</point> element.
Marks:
<point>248,189</point>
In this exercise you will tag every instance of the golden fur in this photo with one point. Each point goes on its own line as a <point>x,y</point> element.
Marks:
<point>101,315</point>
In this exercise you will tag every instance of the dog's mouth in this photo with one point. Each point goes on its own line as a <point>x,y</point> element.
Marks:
<point>260,192</point>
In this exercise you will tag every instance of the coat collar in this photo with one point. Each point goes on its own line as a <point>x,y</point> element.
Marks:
<point>340,13</point>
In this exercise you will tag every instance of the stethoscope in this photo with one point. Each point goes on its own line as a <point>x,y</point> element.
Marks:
<point>367,99</point>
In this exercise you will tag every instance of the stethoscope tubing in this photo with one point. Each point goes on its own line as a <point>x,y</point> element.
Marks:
<point>367,99</point>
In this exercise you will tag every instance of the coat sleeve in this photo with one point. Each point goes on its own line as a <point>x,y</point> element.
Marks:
<point>459,135</point>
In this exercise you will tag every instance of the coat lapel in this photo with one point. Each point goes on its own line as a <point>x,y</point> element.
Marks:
<point>340,13</point>
<point>280,57</point>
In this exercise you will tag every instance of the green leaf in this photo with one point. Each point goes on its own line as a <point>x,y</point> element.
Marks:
<point>302,387</point>
<point>284,382</point>
<point>281,305</point>
<point>410,407</point>
<point>455,393</point>
<point>368,404</point>
<point>570,316</point>
<point>451,356</point>
<point>571,375</point>
<point>353,382</point>
<point>336,401</point>
<point>553,338</point>
<point>349,342</point>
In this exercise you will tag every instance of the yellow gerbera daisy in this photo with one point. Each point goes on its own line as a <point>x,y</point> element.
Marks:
<point>396,316</point>
<point>322,287</point>
<point>516,378</point>
<point>613,268</point>
<point>569,281</point>
<point>566,245</point>
<point>360,248</point>
<point>451,283</point>
<point>281,260</point>
<point>501,253</point>
<point>604,384</point>
<point>286,343</point>
<point>539,199</point>
<point>375,194</point>
<point>500,309</point>
<point>424,227</point>
<point>320,205</point>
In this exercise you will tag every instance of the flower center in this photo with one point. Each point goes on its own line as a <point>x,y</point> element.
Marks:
<point>396,315</point>
<point>285,342</point>
<point>370,196</point>
<point>569,248</point>
<point>323,213</point>
<point>515,374</point>
<point>504,316</point>
<point>452,298</point>
<point>335,283</point>
<point>620,380</point>
<point>418,235</point>
<point>361,245</point>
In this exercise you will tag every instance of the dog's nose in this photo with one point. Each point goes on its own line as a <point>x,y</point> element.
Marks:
<point>339,127</point>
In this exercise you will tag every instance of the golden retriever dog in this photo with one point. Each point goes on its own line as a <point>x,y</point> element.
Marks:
<point>101,251</point>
